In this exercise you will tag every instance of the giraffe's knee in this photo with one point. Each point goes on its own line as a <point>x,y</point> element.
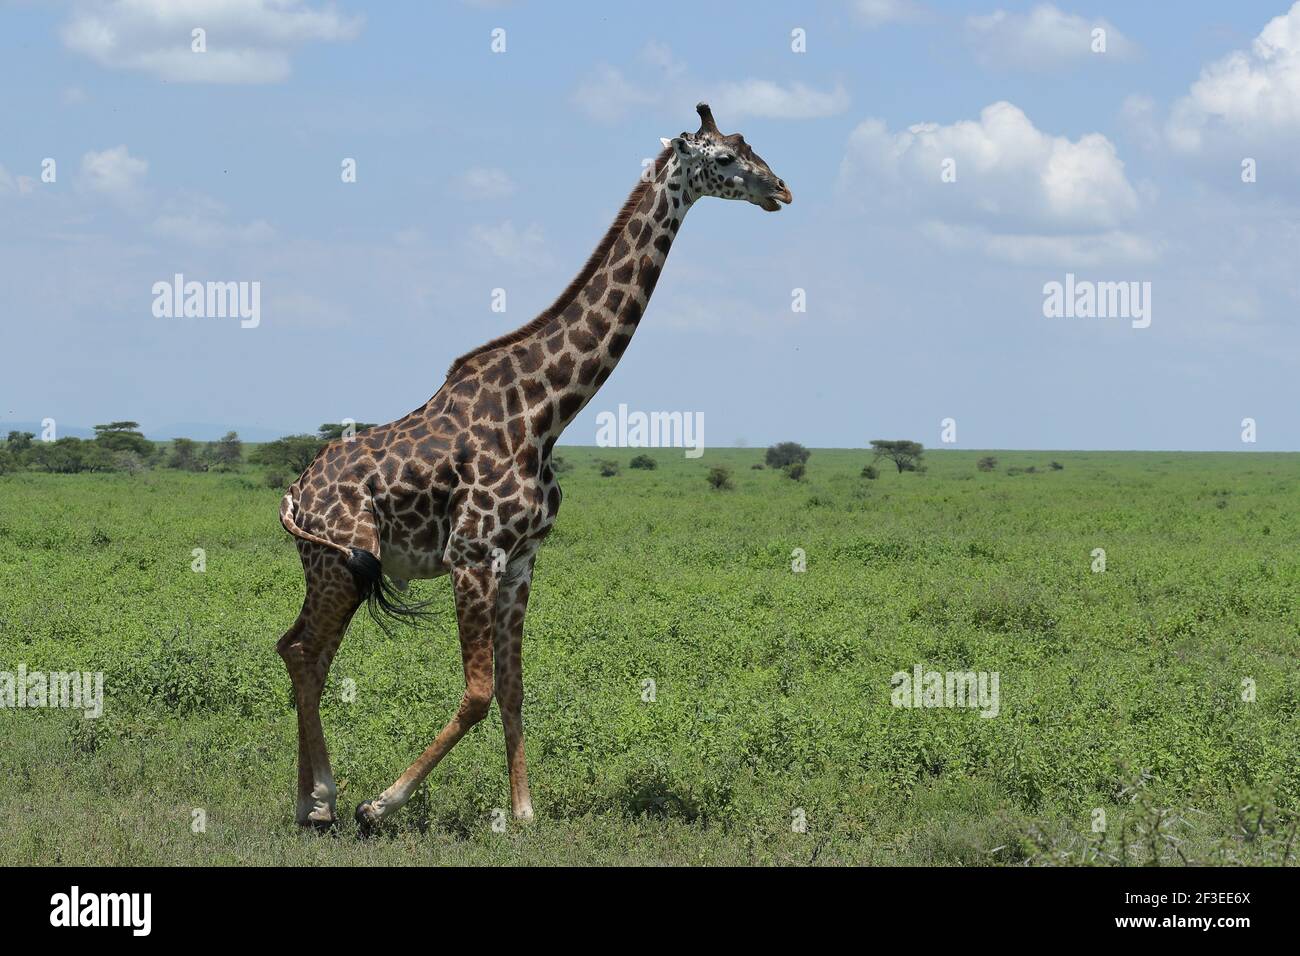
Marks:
<point>289,645</point>
<point>475,704</point>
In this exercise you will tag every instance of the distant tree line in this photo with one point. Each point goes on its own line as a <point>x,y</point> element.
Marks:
<point>121,447</point>
<point>117,446</point>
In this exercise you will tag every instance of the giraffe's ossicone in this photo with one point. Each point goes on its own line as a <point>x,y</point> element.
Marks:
<point>463,485</point>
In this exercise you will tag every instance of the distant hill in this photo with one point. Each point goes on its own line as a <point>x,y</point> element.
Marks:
<point>199,431</point>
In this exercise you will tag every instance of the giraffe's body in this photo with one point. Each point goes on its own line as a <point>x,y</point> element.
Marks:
<point>464,484</point>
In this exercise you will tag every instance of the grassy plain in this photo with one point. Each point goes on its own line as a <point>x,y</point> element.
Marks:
<point>1120,691</point>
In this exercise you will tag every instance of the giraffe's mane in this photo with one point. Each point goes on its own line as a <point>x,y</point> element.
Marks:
<point>571,291</point>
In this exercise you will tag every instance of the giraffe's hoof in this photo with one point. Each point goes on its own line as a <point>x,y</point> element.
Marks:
<point>366,822</point>
<point>318,822</point>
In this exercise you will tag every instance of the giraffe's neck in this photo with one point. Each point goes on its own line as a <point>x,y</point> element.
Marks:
<point>584,342</point>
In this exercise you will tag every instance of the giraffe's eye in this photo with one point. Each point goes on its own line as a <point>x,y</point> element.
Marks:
<point>725,159</point>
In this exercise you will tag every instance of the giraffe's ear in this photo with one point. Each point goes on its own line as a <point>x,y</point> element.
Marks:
<point>677,143</point>
<point>665,142</point>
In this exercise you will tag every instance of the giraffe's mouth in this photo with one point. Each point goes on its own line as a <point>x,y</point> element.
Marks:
<point>773,202</point>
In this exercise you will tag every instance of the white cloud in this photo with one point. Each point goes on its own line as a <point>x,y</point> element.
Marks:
<point>660,55</point>
<point>773,101</point>
<point>877,13</point>
<point>1040,193</point>
<point>519,247</point>
<point>113,172</point>
<point>484,183</point>
<point>1044,37</point>
<point>11,185</point>
<point>200,220</point>
<point>248,41</point>
<point>607,96</point>
<point>1251,95</point>
<point>1007,171</point>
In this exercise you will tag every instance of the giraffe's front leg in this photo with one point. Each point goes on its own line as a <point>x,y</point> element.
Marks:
<point>508,637</point>
<point>476,591</point>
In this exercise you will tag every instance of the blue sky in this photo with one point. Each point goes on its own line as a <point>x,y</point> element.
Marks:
<point>479,170</point>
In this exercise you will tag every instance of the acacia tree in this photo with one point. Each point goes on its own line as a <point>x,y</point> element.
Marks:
<point>123,436</point>
<point>906,455</point>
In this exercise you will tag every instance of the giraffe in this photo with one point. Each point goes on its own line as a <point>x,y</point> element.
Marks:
<point>463,485</point>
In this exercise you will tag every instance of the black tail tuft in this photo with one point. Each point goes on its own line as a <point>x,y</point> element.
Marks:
<point>380,596</point>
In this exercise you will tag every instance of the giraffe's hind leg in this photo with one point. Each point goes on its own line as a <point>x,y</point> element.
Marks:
<point>308,649</point>
<point>304,805</point>
<point>476,591</point>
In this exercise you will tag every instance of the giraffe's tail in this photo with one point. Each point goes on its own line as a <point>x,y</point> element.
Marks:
<point>288,509</point>
<point>382,599</point>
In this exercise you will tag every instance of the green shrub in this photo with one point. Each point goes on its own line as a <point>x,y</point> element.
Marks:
<point>228,452</point>
<point>786,453</point>
<point>68,456</point>
<point>19,442</point>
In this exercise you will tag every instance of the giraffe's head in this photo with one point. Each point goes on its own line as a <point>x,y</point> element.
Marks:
<point>723,165</point>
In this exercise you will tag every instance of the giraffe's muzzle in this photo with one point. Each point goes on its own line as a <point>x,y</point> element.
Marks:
<point>772,203</point>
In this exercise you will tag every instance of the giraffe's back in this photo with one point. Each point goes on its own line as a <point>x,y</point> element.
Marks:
<point>466,470</point>
<point>386,491</point>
